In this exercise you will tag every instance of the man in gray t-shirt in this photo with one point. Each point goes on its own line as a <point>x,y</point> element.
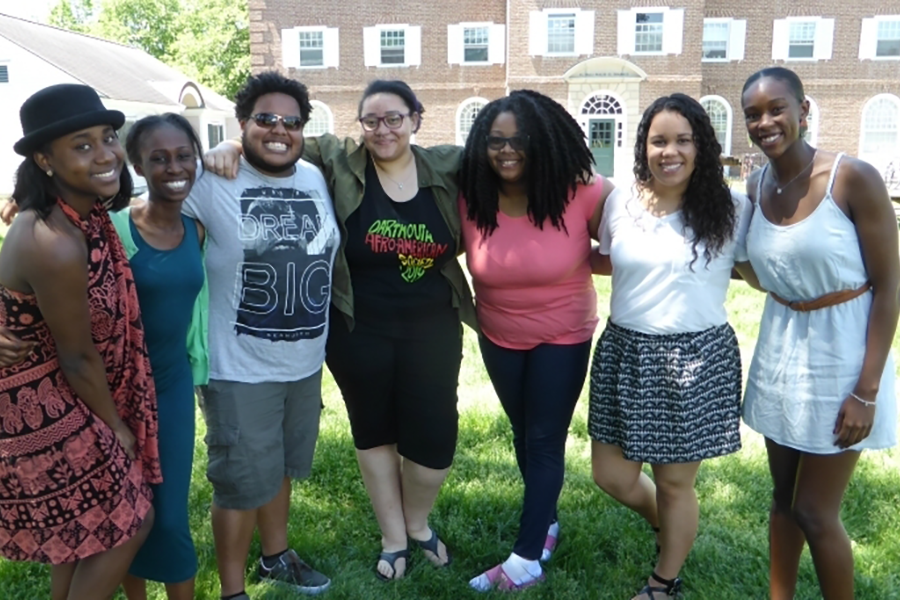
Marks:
<point>272,240</point>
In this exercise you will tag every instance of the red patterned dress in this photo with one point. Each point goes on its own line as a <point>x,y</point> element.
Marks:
<point>67,488</point>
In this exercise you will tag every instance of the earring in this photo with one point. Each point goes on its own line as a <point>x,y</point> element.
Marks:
<point>49,172</point>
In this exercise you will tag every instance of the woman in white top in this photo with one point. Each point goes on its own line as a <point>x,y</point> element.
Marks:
<point>821,386</point>
<point>666,374</point>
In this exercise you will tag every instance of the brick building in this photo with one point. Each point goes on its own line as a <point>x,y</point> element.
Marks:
<point>604,61</point>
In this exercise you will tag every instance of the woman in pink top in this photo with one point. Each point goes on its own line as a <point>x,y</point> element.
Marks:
<point>529,209</point>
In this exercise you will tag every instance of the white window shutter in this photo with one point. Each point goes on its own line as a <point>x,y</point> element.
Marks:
<point>584,32</point>
<point>331,51</point>
<point>868,39</point>
<point>290,48</point>
<point>497,45</point>
<point>625,32</point>
<point>673,30</point>
<point>824,39</point>
<point>413,50</point>
<point>455,53</point>
<point>781,33</point>
<point>737,33</point>
<point>371,46</point>
<point>537,33</point>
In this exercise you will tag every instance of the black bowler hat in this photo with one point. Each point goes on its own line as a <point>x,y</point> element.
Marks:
<point>59,110</point>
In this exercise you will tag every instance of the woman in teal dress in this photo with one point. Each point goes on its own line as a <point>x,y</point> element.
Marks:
<point>164,249</point>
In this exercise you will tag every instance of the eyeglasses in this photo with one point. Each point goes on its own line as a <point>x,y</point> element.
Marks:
<point>390,120</point>
<point>270,120</point>
<point>517,142</point>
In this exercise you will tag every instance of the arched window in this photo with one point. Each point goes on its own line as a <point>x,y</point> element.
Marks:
<point>812,122</point>
<point>881,127</point>
<point>465,117</point>
<point>321,120</point>
<point>601,104</point>
<point>720,116</point>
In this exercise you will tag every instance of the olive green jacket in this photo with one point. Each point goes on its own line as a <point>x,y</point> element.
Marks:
<point>343,163</point>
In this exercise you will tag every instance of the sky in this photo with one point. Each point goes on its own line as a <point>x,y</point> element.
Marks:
<point>35,10</point>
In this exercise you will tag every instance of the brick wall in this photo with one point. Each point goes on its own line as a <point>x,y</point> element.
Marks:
<point>840,86</point>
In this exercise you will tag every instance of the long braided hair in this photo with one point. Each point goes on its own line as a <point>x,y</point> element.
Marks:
<point>707,208</point>
<point>558,159</point>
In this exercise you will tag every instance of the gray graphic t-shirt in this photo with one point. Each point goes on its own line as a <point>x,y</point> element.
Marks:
<point>271,249</point>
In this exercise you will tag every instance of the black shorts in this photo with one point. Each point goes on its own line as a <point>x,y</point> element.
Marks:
<point>400,390</point>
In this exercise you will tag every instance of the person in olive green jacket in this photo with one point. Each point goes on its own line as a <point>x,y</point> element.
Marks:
<point>399,297</point>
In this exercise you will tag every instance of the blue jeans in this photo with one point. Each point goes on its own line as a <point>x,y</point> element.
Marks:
<point>538,389</point>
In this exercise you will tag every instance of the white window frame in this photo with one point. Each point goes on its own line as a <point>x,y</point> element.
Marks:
<point>221,127</point>
<point>673,30</point>
<point>662,25</point>
<point>868,37</point>
<point>329,118</point>
<point>729,119</point>
<point>412,45</point>
<point>865,155</point>
<point>813,125</point>
<point>823,45</point>
<point>538,29</point>
<point>290,47</point>
<point>737,33</point>
<point>460,135</point>
<point>456,51</point>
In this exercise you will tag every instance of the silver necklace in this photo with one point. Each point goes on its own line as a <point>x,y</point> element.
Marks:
<point>397,183</point>
<point>781,188</point>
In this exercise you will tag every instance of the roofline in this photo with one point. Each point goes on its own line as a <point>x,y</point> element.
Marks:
<point>69,31</point>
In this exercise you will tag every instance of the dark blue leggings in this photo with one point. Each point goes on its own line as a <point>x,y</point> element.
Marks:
<point>538,389</point>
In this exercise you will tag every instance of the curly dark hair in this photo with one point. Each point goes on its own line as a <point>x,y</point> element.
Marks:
<point>707,208</point>
<point>558,160</point>
<point>34,190</point>
<point>270,82</point>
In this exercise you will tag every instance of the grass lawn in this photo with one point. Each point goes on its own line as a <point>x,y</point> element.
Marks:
<point>605,550</point>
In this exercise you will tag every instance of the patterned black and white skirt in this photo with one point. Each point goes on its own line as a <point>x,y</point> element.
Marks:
<point>667,398</point>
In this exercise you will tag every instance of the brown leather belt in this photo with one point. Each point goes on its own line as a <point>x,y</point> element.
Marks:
<point>823,301</point>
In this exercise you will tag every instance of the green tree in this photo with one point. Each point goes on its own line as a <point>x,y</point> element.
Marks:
<point>152,26</point>
<point>214,44</point>
<point>74,15</point>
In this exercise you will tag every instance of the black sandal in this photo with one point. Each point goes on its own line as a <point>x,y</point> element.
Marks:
<point>672,588</point>
<point>431,545</point>
<point>391,559</point>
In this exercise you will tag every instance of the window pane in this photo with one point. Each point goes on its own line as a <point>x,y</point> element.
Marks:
<point>318,122</point>
<point>475,44</point>
<point>392,47</point>
<point>648,32</point>
<point>887,48</point>
<point>881,127</point>
<point>801,39</point>
<point>467,118</point>
<point>476,54</point>
<point>718,116</point>
<point>215,133</point>
<point>561,33</point>
<point>311,58</point>
<point>4,74</point>
<point>715,40</point>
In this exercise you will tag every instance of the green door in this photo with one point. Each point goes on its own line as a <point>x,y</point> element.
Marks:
<point>602,141</point>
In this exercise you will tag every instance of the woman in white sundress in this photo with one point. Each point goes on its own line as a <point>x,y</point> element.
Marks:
<point>823,242</point>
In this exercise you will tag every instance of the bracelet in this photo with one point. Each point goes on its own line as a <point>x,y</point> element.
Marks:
<point>865,402</point>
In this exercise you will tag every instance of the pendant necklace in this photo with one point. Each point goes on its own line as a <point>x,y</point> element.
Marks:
<point>781,188</point>
<point>397,183</point>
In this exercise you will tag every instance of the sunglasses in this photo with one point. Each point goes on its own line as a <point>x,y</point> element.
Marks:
<point>391,121</point>
<point>517,142</point>
<point>270,120</point>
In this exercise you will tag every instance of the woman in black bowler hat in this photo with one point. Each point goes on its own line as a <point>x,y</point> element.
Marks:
<point>78,422</point>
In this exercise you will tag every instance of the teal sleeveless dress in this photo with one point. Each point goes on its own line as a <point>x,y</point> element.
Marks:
<point>168,282</point>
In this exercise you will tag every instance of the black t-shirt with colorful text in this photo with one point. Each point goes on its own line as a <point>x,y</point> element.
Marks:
<point>395,251</point>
